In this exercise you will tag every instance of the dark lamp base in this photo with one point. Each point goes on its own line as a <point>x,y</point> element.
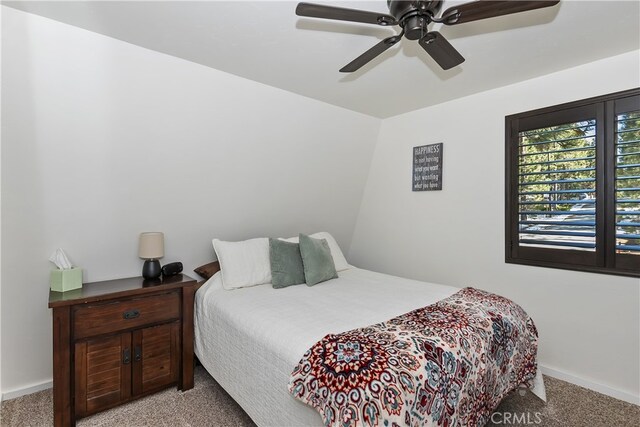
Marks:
<point>151,269</point>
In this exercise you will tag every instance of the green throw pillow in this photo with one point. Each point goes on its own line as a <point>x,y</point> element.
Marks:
<point>286,263</point>
<point>317,260</point>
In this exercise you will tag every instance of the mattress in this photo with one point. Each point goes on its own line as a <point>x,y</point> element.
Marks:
<point>250,339</point>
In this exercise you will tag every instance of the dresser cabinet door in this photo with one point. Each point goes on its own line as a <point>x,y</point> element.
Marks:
<point>102,373</point>
<point>156,357</point>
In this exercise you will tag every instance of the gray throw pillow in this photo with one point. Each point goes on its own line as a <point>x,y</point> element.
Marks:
<point>286,264</point>
<point>317,260</point>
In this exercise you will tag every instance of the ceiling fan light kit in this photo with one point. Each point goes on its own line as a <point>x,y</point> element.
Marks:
<point>414,18</point>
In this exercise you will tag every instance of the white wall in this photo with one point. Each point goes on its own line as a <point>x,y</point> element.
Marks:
<point>1,9</point>
<point>102,140</point>
<point>588,323</point>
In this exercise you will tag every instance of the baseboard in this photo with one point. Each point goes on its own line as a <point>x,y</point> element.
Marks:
<point>600,388</point>
<point>555,373</point>
<point>6,395</point>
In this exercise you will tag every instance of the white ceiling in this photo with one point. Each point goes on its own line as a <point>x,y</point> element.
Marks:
<point>265,41</point>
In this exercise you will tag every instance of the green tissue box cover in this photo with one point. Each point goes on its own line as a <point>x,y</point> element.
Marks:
<point>66,280</point>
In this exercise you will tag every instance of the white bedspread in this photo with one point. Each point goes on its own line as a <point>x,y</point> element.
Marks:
<point>250,339</point>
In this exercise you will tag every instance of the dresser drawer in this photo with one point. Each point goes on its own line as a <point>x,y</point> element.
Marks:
<point>90,320</point>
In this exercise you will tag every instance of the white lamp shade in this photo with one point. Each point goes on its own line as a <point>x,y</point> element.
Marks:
<point>151,245</point>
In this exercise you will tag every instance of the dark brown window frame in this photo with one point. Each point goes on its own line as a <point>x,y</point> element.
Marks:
<point>603,259</point>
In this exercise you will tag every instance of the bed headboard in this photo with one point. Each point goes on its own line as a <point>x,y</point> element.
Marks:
<point>206,271</point>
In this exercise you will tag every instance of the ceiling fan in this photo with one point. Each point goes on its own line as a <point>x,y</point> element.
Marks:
<point>414,18</point>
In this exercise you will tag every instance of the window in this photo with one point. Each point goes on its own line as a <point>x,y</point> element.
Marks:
<point>573,185</point>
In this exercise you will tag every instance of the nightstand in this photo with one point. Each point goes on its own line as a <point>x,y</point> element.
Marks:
<point>118,340</point>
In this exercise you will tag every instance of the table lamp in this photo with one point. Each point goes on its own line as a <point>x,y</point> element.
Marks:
<point>151,248</point>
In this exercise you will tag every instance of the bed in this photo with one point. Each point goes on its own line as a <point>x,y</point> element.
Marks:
<point>250,339</point>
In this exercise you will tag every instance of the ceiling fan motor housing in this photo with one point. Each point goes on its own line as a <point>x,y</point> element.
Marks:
<point>414,16</point>
<point>415,27</point>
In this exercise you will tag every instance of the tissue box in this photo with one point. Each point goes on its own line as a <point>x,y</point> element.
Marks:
<point>66,280</point>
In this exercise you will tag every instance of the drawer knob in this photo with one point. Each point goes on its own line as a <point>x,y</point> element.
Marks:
<point>131,314</point>
<point>126,356</point>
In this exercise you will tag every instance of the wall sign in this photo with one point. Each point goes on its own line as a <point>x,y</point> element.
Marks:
<point>427,167</point>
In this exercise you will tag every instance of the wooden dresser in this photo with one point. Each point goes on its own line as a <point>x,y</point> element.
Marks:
<point>119,340</point>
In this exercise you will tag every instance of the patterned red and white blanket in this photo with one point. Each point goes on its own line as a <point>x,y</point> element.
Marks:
<point>447,364</point>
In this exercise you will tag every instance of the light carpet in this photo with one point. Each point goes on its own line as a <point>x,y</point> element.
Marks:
<point>207,404</point>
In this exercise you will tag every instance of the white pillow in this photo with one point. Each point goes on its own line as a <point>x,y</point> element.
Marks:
<point>244,263</point>
<point>338,258</point>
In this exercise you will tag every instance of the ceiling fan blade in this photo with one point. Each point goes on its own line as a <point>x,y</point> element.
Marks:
<point>484,9</point>
<point>370,54</point>
<point>344,14</point>
<point>441,50</point>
